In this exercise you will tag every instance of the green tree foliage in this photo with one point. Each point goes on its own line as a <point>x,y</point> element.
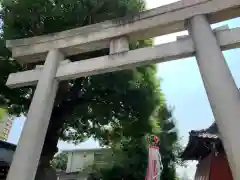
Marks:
<point>129,161</point>
<point>2,113</point>
<point>170,148</point>
<point>129,155</point>
<point>59,161</point>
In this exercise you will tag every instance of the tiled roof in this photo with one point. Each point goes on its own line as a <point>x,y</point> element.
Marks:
<point>210,133</point>
<point>200,143</point>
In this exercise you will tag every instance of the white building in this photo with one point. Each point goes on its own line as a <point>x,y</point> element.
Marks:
<point>80,162</point>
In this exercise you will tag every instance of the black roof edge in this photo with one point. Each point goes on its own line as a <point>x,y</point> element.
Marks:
<point>7,145</point>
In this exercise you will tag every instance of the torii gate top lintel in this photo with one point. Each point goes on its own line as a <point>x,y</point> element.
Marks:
<point>159,21</point>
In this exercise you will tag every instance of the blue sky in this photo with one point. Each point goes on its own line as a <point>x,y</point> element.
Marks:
<point>183,89</point>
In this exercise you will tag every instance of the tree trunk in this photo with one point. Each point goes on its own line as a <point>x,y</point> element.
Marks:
<point>45,171</point>
<point>59,115</point>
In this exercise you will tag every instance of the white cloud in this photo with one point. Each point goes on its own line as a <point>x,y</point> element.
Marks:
<point>169,37</point>
<point>166,38</point>
<point>156,3</point>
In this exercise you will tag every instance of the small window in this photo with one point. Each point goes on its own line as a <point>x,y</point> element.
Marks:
<point>98,156</point>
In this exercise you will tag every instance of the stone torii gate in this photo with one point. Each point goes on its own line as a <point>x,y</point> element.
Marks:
<point>204,43</point>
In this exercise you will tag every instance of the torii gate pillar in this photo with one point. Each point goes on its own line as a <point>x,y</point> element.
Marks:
<point>223,95</point>
<point>27,155</point>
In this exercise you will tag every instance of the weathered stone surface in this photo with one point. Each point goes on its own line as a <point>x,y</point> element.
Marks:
<point>119,45</point>
<point>164,20</point>
<point>180,49</point>
<point>29,149</point>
